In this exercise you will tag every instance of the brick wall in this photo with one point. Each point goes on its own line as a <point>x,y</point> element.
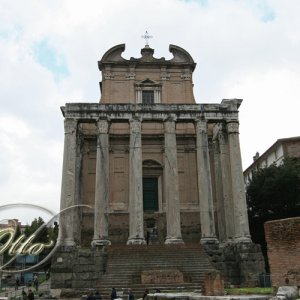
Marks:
<point>283,240</point>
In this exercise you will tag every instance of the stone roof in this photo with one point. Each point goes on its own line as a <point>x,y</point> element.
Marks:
<point>114,57</point>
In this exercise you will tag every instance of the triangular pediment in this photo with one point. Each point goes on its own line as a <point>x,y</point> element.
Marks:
<point>148,82</point>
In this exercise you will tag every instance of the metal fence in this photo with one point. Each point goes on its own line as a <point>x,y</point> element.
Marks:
<point>265,280</point>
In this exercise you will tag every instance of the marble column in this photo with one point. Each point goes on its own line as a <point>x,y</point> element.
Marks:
<point>238,187</point>
<point>219,191</point>
<point>226,183</point>
<point>208,234</point>
<point>136,221</point>
<point>171,185</point>
<point>102,186</point>
<point>78,209</point>
<point>68,189</point>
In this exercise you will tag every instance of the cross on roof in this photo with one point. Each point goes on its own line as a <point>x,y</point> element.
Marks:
<point>146,36</point>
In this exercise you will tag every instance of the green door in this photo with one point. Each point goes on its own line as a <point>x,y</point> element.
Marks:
<point>150,194</point>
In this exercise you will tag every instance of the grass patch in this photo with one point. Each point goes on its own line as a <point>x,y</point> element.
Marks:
<point>250,291</point>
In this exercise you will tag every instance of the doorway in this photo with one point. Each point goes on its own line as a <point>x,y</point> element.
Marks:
<point>150,193</point>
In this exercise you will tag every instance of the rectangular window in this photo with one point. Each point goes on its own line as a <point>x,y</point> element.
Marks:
<point>148,97</point>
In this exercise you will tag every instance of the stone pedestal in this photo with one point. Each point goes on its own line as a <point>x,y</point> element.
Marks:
<point>74,269</point>
<point>213,284</point>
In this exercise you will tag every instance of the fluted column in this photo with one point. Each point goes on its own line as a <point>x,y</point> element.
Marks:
<point>226,183</point>
<point>219,192</point>
<point>171,185</point>
<point>208,233</point>
<point>136,223</point>
<point>238,188</point>
<point>102,186</point>
<point>67,201</point>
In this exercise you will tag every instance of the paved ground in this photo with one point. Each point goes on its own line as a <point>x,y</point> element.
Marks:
<point>11,292</point>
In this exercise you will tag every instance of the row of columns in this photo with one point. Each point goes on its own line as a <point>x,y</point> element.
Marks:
<point>240,228</point>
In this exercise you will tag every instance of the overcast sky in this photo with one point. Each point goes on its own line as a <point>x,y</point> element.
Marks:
<point>48,56</point>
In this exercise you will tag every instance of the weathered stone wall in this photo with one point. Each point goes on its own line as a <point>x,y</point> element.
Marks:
<point>75,269</point>
<point>283,242</point>
<point>190,227</point>
<point>239,263</point>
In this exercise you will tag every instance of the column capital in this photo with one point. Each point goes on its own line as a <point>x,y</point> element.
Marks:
<point>170,125</point>
<point>171,118</point>
<point>232,126</point>
<point>135,124</point>
<point>102,125</point>
<point>70,125</point>
<point>201,126</point>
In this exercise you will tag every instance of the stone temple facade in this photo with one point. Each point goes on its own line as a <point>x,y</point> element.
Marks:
<point>154,166</point>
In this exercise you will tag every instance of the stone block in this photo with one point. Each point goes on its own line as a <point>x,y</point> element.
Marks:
<point>69,293</point>
<point>213,284</point>
<point>88,275</point>
<point>85,253</point>
<point>84,268</point>
<point>84,260</point>
<point>78,284</point>
<point>62,276</point>
<point>287,292</point>
<point>161,276</point>
<point>57,284</point>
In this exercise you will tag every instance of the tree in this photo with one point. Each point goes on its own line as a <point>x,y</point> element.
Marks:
<point>273,193</point>
<point>45,235</point>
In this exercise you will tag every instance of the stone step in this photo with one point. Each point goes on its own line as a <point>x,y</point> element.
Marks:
<point>138,290</point>
<point>125,264</point>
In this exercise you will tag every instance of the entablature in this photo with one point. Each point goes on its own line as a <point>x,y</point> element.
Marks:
<point>212,113</point>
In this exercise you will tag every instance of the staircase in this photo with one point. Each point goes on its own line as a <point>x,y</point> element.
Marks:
<point>125,264</point>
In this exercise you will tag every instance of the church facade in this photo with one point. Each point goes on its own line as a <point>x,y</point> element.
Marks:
<point>149,165</point>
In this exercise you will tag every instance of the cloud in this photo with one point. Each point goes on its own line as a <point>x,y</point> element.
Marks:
<point>50,59</point>
<point>264,10</point>
<point>30,163</point>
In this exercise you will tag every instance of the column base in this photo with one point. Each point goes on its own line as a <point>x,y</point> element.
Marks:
<point>100,243</point>
<point>136,241</point>
<point>169,241</point>
<point>209,240</point>
<point>66,243</point>
<point>242,239</point>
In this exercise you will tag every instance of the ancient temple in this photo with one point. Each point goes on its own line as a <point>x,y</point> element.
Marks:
<point>154,166</point>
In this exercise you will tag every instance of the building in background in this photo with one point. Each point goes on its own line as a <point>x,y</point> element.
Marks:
<point>12,223</point>
<point>287,147</point>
